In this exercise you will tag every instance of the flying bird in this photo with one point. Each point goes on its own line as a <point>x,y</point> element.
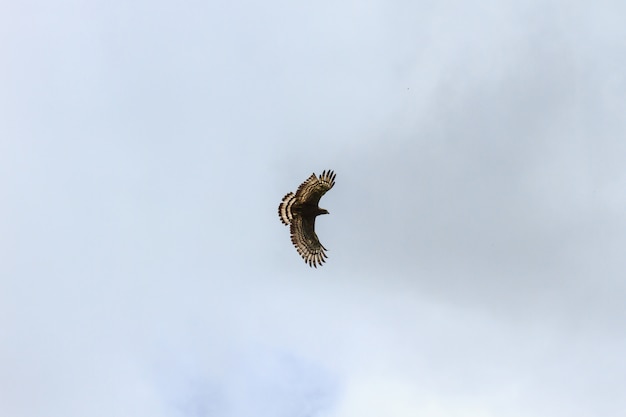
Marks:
<point>299,210</point>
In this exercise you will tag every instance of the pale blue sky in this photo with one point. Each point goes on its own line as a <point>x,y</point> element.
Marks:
<point>476,231</point>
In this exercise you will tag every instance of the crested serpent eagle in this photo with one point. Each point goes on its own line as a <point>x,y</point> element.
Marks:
<point>298,211</point>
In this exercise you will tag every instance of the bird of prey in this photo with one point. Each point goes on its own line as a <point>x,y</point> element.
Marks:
<point>299,210</point>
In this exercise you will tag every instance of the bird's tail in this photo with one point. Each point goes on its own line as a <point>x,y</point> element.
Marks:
<point>284,209</point>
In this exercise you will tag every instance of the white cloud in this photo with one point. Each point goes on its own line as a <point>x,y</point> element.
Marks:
<point>475,235</point>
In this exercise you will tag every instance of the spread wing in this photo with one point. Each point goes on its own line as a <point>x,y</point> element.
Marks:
<point>311,190</point>
<point>305,240</point>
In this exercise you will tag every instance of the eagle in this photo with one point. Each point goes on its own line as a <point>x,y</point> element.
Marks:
<point>299,210</point>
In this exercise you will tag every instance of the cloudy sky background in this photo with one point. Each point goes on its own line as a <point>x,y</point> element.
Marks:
<point>477,227</point>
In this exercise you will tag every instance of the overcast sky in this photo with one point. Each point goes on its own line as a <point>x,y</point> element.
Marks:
<point>476,232</point>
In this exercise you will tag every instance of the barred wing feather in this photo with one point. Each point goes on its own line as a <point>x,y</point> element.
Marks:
<point>314,187</point>
<point>306,241</point>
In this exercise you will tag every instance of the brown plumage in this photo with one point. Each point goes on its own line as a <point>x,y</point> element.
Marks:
<point>299,210</point>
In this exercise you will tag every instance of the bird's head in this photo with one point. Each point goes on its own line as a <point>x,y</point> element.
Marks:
<point>323,211</point>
